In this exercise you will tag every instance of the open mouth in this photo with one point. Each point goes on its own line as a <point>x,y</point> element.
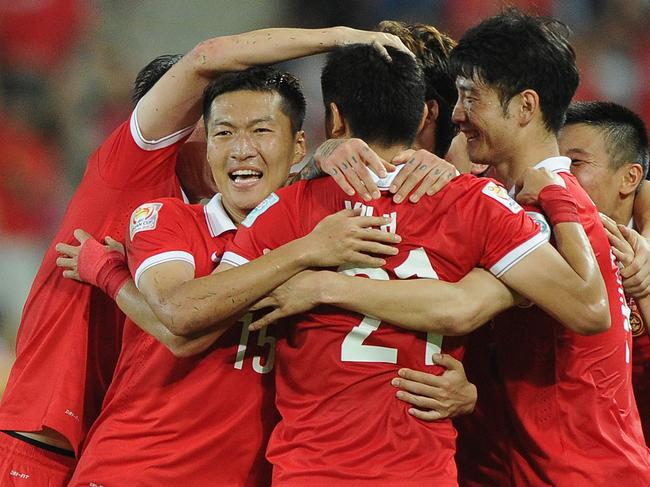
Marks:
<point>245,176</point>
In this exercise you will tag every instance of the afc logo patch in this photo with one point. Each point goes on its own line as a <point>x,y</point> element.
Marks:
<point>497,193</point>
<point>144,218</point>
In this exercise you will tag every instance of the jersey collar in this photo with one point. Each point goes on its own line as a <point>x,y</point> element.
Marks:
<point>216,217</point>
<point>553,164</point>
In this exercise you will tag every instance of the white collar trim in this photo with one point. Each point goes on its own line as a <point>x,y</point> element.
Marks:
<point>216,217</point>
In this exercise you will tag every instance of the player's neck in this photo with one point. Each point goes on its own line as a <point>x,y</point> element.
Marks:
<point>387,152</point>
<point>527,154</point>
<point>622,214</point>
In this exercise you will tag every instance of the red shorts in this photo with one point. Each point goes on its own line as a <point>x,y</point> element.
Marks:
<point>23,464</point>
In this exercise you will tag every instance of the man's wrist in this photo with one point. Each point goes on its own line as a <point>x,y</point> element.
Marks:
<point>330,287</point>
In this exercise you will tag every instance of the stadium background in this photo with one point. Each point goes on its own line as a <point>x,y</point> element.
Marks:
<point>67,66</point>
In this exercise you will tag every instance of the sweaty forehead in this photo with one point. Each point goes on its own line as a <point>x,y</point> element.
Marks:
<point>246,107</point>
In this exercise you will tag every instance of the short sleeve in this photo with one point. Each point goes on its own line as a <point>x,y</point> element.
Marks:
<point>127,160</point>
<point>503,228</point>
<point>274,222</point>
<point>156,235</point>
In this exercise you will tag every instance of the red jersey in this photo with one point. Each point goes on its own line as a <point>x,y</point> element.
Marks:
<point>641,366</point>
<point>343,425</point>
<point>199,421</point>
<point>75,329</point>
<point>569,396</point>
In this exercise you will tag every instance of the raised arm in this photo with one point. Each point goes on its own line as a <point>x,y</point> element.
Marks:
<point>174,102</point>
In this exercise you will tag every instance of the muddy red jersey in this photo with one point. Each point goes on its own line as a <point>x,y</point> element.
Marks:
<point>75,329</point>
<point>199,421</point>
<point>341,423</point>
<point>569,396</point>
<point>641,365</point>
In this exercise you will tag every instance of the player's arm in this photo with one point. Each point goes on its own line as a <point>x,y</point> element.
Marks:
<point>187,306</point>
<point>568,285</point>
<point>104,266</point>
<point>174,102</point>
<point>642,209</point>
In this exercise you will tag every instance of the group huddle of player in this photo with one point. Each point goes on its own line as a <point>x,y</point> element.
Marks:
<point>325,332</point>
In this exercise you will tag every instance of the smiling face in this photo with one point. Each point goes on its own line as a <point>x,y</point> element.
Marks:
<point>480,116</point>
<point>250,148</point>
<point>591,164</point>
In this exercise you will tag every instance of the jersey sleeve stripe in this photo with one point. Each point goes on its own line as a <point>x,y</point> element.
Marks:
<point>154,260</point>
<point>150,145</point>
<point>516,254</point>
<point>234,259</point>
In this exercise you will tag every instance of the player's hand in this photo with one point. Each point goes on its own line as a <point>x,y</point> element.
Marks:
<point>345,238</point>
<point>348,161</point>
<point>437,397</point>
<point>69,254</point>
<point>532,182</point>
<point>633,252</point>
<point>422,169</point>
<point>379,40</point>
<point>297,295</point>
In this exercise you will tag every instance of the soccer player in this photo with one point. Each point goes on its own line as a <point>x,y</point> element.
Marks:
<point>205,419</point>
<point>76,330</point>
<point>608,147</point>
<point>344,426</point>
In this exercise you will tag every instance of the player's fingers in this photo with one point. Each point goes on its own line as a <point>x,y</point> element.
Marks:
<point>266,320</point>
<point>368,185</point>
<point>447,361</point>
<point>639,289</point>
<point>352,175</point>
<point>374,235</point>
<point>423,377</point>
<point>68,250</point>
<point>441,182</point>
<point>267,302</point>
<point>621,257</point>
<point>376,248</point>
<point>361,259</point>
<point>382,51</point>
<point>374,162</point>
<point>428,416</point>
<point>339,179</point>
<point>69,274</point>
<point>81,235</point>
<point>114,245</point>
<point>423,188</point>
<point>415,387</point>
<point>422,402</point>
<point>399,180</point>
<point>371,221</point>
<point>66,262</point>
<point>419,172</point>
<point>631,269</point>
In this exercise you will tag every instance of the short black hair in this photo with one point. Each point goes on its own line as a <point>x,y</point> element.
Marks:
<point>381,101</point>
<point>432,49</point>
<point>260,78</point>
<point>512,52</point>
<point>624,133</point>
<point>151,73</point>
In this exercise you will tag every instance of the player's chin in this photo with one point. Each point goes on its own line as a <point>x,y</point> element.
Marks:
<point>250,198</point>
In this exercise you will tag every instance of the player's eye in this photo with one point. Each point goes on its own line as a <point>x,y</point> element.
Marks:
<point>262,130</point>
<point>222,133</point>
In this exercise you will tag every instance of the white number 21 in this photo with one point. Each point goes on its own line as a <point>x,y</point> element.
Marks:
<point>353,350</point>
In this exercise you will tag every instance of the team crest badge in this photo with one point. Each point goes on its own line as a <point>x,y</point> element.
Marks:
<point>145,217</point>
<point>499,194</point>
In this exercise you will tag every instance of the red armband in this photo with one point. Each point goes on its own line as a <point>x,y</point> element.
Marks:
<point>104,269</point>
<point>558,204</point>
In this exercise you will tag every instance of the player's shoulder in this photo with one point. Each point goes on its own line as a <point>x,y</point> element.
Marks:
<point>479,191</point>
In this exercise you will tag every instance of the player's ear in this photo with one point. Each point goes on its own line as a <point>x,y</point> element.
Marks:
<point>338,125</point>
<point>299,147</point>
<point>528,106</point>
<point>632,176</point>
